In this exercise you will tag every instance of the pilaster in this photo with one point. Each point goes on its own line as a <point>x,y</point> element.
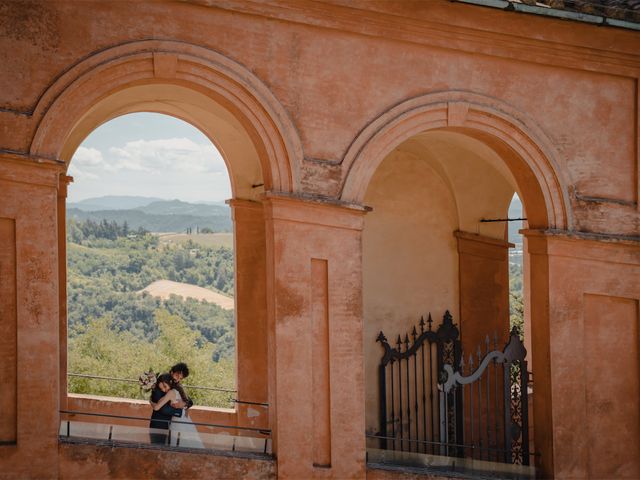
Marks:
<point>62,283</point>
<point>484,289</point>
<point>315,327</point>
<point>28,212</point>
<point>250,311</point>
<point>585,291</point>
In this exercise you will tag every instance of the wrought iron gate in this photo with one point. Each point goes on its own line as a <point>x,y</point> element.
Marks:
<point>433,401</point>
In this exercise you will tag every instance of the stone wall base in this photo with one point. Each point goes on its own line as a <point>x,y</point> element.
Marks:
<point>78,460</point>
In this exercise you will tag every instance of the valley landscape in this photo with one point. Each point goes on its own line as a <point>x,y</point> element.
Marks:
<point>150,283</point>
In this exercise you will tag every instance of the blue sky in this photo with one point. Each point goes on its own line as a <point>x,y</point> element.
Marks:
<point>151,155</point>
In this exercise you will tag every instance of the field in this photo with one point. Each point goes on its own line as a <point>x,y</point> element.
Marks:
<point>204,239</point>
<point>165,288</point>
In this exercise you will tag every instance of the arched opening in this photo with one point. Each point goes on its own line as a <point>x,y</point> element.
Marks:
<point>238,150</point>
<point>435,261</point>
<point>239,115</point>
<point>525,159</point>
<point>150,265</point>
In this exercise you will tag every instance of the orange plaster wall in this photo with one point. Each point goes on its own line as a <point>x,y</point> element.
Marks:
<point>383,474</point>
<point>102,462</point>
<point>299,234</point>
<point>484,292</point>
<point>588,110</point>
<point>593,295</point>
<point>251,312</point>
<point>36,300</point>
<point>141,409</point>
<point>606,412</point>
<point>9,337</point>
<point>573,116</point>
<point>334,69</point>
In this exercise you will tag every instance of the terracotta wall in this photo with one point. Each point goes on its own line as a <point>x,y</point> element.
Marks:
<point>251,313</point>
<point>125,407</point>
<point>484,292</point>
<point>592,359</point>
<point>9,338</point>
<point>100,462</point>
<point>311,97</point>
<point>316,351</point>
<point>570,103</point>
<point>29,317</point>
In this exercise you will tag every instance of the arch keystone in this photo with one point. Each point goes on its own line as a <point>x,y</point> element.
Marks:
<point>457,113</point>
<point>165,65</point>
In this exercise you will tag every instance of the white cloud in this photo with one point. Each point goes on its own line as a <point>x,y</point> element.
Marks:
<point>80,174</point>
<point>190,169</point>
<point>165,155</point>
<point>87,156</point>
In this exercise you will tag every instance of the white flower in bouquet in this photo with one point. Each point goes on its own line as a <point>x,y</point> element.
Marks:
<point>147,380</point>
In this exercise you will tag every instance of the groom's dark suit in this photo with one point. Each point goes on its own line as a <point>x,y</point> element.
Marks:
<point>160,419</point>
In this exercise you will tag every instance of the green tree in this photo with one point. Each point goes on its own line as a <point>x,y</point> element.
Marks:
<point>99,350</point>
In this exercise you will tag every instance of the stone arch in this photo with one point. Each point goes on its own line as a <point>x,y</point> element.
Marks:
<point>112,82</point>
<point>523,146</point>
<point>235,110</point>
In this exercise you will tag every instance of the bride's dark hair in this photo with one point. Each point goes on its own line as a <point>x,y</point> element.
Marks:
<point>165,378</point>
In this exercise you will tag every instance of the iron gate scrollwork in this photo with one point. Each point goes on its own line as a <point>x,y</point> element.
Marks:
<point>433,402</point>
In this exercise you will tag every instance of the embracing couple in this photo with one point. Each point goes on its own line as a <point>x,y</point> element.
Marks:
<point>170,410</point>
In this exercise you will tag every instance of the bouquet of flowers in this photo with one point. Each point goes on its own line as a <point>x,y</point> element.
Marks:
<point>147,380</point>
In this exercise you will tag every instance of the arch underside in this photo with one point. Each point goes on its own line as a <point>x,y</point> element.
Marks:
<point>526,154</point>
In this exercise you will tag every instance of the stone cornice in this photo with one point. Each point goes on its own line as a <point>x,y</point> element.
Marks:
<point>575,235</point>
<point>584,246</point>
<point>482,239</point>
<point>318,200</point>
<point>300,209</point>
<point>367,21</point>
<point>31,170</point>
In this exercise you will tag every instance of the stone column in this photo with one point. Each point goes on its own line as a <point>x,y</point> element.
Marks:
<point>540,342</point>
<point>526,298</point>
<point>250,311</point>
<point>63,184</point>
<point>484,290</point>
<point>29,316</point>
<point>585,292</point>
<point>9,328</point>
<point>315,327</point>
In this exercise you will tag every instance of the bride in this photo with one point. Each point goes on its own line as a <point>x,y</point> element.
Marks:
<point>183,432</point>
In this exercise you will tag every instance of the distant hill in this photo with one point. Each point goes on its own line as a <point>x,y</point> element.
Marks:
<point>155,215</point>
<point>112,202</point>
<point>178,207</point>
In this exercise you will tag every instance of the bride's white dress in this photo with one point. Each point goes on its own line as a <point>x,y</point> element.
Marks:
<point>183,432</point>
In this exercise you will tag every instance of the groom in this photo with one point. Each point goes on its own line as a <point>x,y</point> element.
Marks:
<point>161,419</point>
<point>179,372</point>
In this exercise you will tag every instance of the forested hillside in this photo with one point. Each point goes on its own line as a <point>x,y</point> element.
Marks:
<point>114,330</point>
